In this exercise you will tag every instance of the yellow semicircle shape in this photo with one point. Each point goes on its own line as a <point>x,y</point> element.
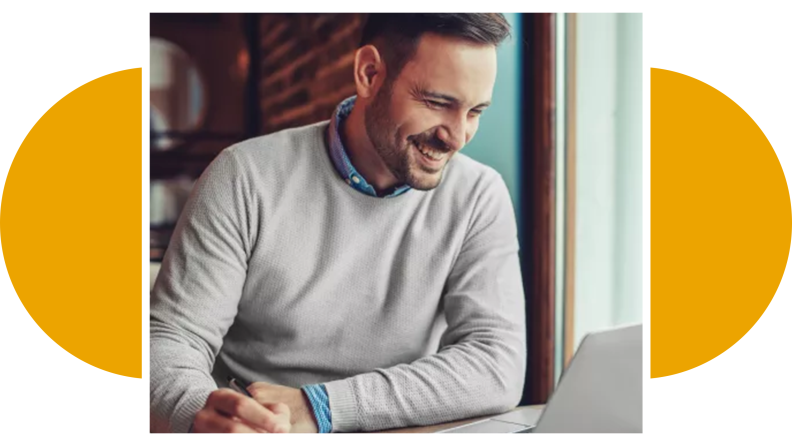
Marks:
<point>70,223</point>
<point>720,223</point>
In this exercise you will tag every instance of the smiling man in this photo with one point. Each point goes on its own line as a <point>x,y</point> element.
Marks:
<point>361,273</point>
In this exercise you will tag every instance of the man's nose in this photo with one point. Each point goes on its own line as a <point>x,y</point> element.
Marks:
<point>454,134</point>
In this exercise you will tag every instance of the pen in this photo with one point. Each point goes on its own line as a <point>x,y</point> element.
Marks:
<point>238,385</point>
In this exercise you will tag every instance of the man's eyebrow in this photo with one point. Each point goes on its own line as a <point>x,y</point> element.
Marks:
<point>448,98</point>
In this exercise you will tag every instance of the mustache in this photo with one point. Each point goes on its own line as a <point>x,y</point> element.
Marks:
<point>431,141</point>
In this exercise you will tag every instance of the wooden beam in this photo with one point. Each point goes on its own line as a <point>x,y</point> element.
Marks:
<point>538,203</point>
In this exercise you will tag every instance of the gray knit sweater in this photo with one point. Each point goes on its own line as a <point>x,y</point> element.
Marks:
<point>409,309</point>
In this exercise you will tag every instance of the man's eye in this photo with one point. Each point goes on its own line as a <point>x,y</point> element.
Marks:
<point>435,104</point>
<point>476,112</point>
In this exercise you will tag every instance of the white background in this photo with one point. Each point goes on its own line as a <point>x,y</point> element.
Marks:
<point>49,50</point>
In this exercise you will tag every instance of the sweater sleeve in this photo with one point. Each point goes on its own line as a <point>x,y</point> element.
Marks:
<point>194,299</point>
<point>480,367</point>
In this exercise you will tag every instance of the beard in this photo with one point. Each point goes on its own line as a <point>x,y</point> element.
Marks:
<point>397,155</point>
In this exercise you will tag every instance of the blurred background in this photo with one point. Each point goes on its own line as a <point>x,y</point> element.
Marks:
<point>564,131</point>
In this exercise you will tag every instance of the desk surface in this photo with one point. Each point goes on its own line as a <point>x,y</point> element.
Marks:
<point>439,427</point>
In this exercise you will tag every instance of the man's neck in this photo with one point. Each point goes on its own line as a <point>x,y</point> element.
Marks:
<point>362,154</point>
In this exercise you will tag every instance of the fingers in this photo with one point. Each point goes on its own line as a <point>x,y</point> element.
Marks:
<point>232,404</point>
<point>267,394</point>
<point>210,421</point>
<point>279,409</point>
<point>257,386</point>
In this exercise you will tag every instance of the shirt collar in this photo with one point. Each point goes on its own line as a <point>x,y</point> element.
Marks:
<point>340,159</point>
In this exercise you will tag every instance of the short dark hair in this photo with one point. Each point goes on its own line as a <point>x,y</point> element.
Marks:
<point>401,33</point>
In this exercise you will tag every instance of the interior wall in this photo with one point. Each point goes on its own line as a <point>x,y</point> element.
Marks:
<point>306,66</point>
<point>497,141</point>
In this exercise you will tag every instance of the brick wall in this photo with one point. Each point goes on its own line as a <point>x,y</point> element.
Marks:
<point>306,66</point>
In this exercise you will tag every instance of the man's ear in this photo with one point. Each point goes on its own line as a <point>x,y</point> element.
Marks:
<point>369,71</point>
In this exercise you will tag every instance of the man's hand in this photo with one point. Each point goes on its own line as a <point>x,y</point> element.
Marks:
<point>302,417</point>
<point>231,412</point>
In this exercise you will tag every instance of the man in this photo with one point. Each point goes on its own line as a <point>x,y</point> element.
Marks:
<point>361,273</point>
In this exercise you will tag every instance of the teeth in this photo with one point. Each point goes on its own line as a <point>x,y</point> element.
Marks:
<point>437,156</point>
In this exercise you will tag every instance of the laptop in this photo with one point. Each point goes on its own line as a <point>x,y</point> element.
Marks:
<point>600,391</point>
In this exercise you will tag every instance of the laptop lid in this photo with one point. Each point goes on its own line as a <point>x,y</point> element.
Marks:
<point>601,390</point>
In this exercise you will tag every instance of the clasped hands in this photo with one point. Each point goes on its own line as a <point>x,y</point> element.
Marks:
<point>273,409</point>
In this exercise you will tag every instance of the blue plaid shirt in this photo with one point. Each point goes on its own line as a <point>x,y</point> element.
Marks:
<point>317,393</point>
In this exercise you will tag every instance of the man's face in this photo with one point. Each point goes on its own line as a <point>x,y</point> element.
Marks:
<point>419,120</point>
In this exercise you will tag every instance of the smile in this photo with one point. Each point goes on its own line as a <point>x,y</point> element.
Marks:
<point>430,153</point>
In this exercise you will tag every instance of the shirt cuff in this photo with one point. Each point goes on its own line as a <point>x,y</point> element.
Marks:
<point>184,416</point>
<point>317,396</point>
